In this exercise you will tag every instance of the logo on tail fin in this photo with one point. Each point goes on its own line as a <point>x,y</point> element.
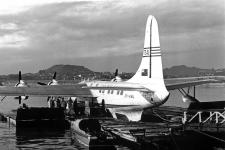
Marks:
<point>144,72</point>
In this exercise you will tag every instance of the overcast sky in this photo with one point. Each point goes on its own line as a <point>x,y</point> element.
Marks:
<point>104,35</point>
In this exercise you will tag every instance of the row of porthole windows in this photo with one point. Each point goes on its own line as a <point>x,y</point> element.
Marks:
<point>119,92</point>
<point>92,84</point>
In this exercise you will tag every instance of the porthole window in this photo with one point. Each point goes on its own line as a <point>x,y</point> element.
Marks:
<point>118,92</point>
<point>121,92</point>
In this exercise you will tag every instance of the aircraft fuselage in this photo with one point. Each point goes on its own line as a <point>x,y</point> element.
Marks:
<point>122,95</point>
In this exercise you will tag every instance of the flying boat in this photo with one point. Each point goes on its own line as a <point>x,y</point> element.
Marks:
<point>146,89</point>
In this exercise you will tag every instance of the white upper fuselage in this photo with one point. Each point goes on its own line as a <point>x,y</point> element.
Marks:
<point>125,94</point>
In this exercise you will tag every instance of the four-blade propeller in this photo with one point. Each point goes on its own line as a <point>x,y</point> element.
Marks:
<point>52,82</point>
<point>116,78</point>
<point>21,83</point>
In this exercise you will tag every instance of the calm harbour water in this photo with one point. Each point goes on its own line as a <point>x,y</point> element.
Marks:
<point>11,139</point>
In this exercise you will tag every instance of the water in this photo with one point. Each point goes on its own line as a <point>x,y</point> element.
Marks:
<point>203,94</point>
<point>11,139</point>
<point>7,137</point>
<point>41,139</point>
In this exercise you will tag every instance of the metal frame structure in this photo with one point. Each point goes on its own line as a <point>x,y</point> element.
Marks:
<point>215,116</point>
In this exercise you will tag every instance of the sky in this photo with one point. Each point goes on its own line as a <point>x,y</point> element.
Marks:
<point>103,35</point>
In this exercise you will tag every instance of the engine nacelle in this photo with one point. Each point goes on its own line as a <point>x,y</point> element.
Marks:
<point>21,83</point>
<point>53,82</point>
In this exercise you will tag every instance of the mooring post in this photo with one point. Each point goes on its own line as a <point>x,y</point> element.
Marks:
<point>211,113</point>
<point>217,120</point>
<point>184,119</point>
<point>9,121</point>
<point>200,117</point>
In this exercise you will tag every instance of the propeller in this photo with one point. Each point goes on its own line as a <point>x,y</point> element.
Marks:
<point>19,79</point>
<point>21,83</point>
<point>117,77</point>
<point>116,73</point>
<point>54,76</point>
<point>20,76</point>
<point>52,82</point>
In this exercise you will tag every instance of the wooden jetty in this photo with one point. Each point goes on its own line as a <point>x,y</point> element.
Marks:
<point>37,117</point>
<point>166,125</point>
<point>145,135</point>
<point>131,134</point>
<point>137,133</point>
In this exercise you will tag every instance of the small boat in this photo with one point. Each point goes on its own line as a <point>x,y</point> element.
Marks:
<point>90,133</point>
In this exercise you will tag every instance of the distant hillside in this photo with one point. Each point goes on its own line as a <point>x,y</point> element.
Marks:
<point>184,71</point>
<point>66,72</point>
<point>71,72</point>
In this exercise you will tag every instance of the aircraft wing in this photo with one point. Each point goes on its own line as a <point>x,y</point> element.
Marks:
<point>76,90</point>
<point>81,90</point>
<point>174,86</point>
<point>143,89</point>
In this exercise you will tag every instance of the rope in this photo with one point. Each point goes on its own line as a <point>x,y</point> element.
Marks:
<point>162,117</point>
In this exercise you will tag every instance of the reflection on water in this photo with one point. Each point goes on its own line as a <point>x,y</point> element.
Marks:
<point>33,138</point>
<point>7,137</point>
<point>25,139</point>
<point>41,138</point>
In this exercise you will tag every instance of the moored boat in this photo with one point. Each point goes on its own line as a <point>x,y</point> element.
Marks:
<point>90,133</point>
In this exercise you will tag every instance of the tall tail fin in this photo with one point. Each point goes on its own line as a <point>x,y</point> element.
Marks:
<point>150,68</point>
